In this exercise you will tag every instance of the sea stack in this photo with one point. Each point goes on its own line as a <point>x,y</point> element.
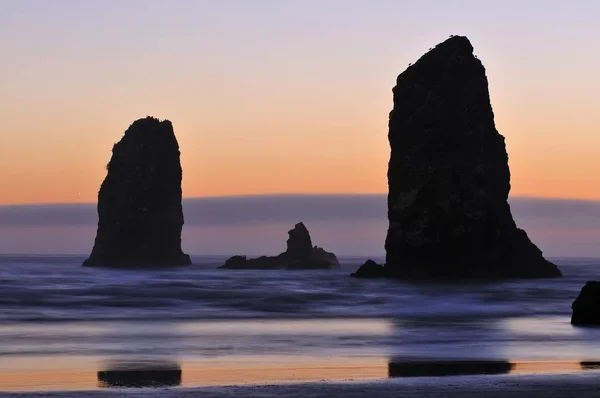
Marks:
<point>449,178</point>
<point>586,307</point>
<point>300,254</point>
<point>139,204</point>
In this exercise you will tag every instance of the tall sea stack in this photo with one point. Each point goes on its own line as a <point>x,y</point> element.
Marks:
<point>139,204</point>
<point>449,179</point>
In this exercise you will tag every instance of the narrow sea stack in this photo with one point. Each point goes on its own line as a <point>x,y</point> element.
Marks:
<point>449,178</point>
<point>300,254</point>
<point>586,307</point>
<point>139,203</point>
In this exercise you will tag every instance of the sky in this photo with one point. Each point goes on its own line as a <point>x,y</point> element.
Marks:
<point>283,97</point>
<point>270,96</point>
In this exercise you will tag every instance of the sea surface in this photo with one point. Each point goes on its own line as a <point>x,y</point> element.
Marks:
<point>66,327</point>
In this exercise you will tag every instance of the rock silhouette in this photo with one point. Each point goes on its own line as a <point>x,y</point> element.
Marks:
<point>139,203</point>
<point>299,243</point>
<point>586,307</point>
<point>300,254</point>
<point>449,178</point>
<point>370,269</point>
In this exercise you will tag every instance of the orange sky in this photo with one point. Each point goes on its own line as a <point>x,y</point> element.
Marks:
<point>273,99</point>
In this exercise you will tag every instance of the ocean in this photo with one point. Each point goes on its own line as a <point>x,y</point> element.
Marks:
<point>66,327</point>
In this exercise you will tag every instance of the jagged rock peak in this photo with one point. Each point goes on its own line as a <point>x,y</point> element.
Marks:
<point>140,217</point>
<point>454,47</point>
<point>299,242</point>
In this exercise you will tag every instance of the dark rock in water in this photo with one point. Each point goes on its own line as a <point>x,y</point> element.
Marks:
<point>300,254</point>
<point>139,204</point>
<point>449,179</point>
<point>586,307</point>
<point>235,262</point>
<point>370,269</point>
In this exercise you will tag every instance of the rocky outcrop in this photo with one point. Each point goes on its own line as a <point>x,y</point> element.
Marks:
<point>586,307</point>
<point>449,178</point>
<point>370,269</point>
<point>139,204</point>
<point>300,254</point>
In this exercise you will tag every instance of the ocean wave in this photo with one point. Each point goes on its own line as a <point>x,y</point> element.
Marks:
<point>56,288</point>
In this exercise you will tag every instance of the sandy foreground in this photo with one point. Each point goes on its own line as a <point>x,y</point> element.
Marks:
<point>571,385</point>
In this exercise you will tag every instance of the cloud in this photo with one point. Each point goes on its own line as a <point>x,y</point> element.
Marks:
<point>237,210</point>
<point>241,210</point>
<point>346,224</point>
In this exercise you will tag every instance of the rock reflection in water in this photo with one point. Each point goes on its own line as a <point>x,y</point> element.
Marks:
<point>447,368</point>
<point>140,374</point>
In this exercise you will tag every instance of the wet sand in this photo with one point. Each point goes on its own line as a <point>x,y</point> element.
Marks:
<point>51,374</point>
<point>571,385</point>
<point>314,379</point>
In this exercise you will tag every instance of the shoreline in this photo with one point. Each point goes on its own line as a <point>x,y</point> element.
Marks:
<point>309,377</point>
<point>560,385</point>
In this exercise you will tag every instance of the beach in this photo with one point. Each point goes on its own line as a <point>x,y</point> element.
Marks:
<point>566,385</point>
<point>69,331</point>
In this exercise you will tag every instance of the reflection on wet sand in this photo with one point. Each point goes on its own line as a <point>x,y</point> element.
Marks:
<point>590,365</point>
<point>85,374</point>
<point>140,374</point>
<point>447,368</point>
<point>433,368</point>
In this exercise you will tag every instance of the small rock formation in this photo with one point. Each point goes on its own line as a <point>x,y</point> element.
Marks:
<point>370,269</point>
<point>300,254</point>
<point>139,204</point>
<point>586,307</point>
<point>449,178</point>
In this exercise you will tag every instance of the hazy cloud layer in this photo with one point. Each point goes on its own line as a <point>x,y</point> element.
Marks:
<point>273,208</point>
<point>348,224</point>
<point>217,211</point>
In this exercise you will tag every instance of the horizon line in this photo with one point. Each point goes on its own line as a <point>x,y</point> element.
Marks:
<point>86,254</point>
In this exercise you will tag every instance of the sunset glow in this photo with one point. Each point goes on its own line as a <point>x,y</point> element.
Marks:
<point>267,98</point>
